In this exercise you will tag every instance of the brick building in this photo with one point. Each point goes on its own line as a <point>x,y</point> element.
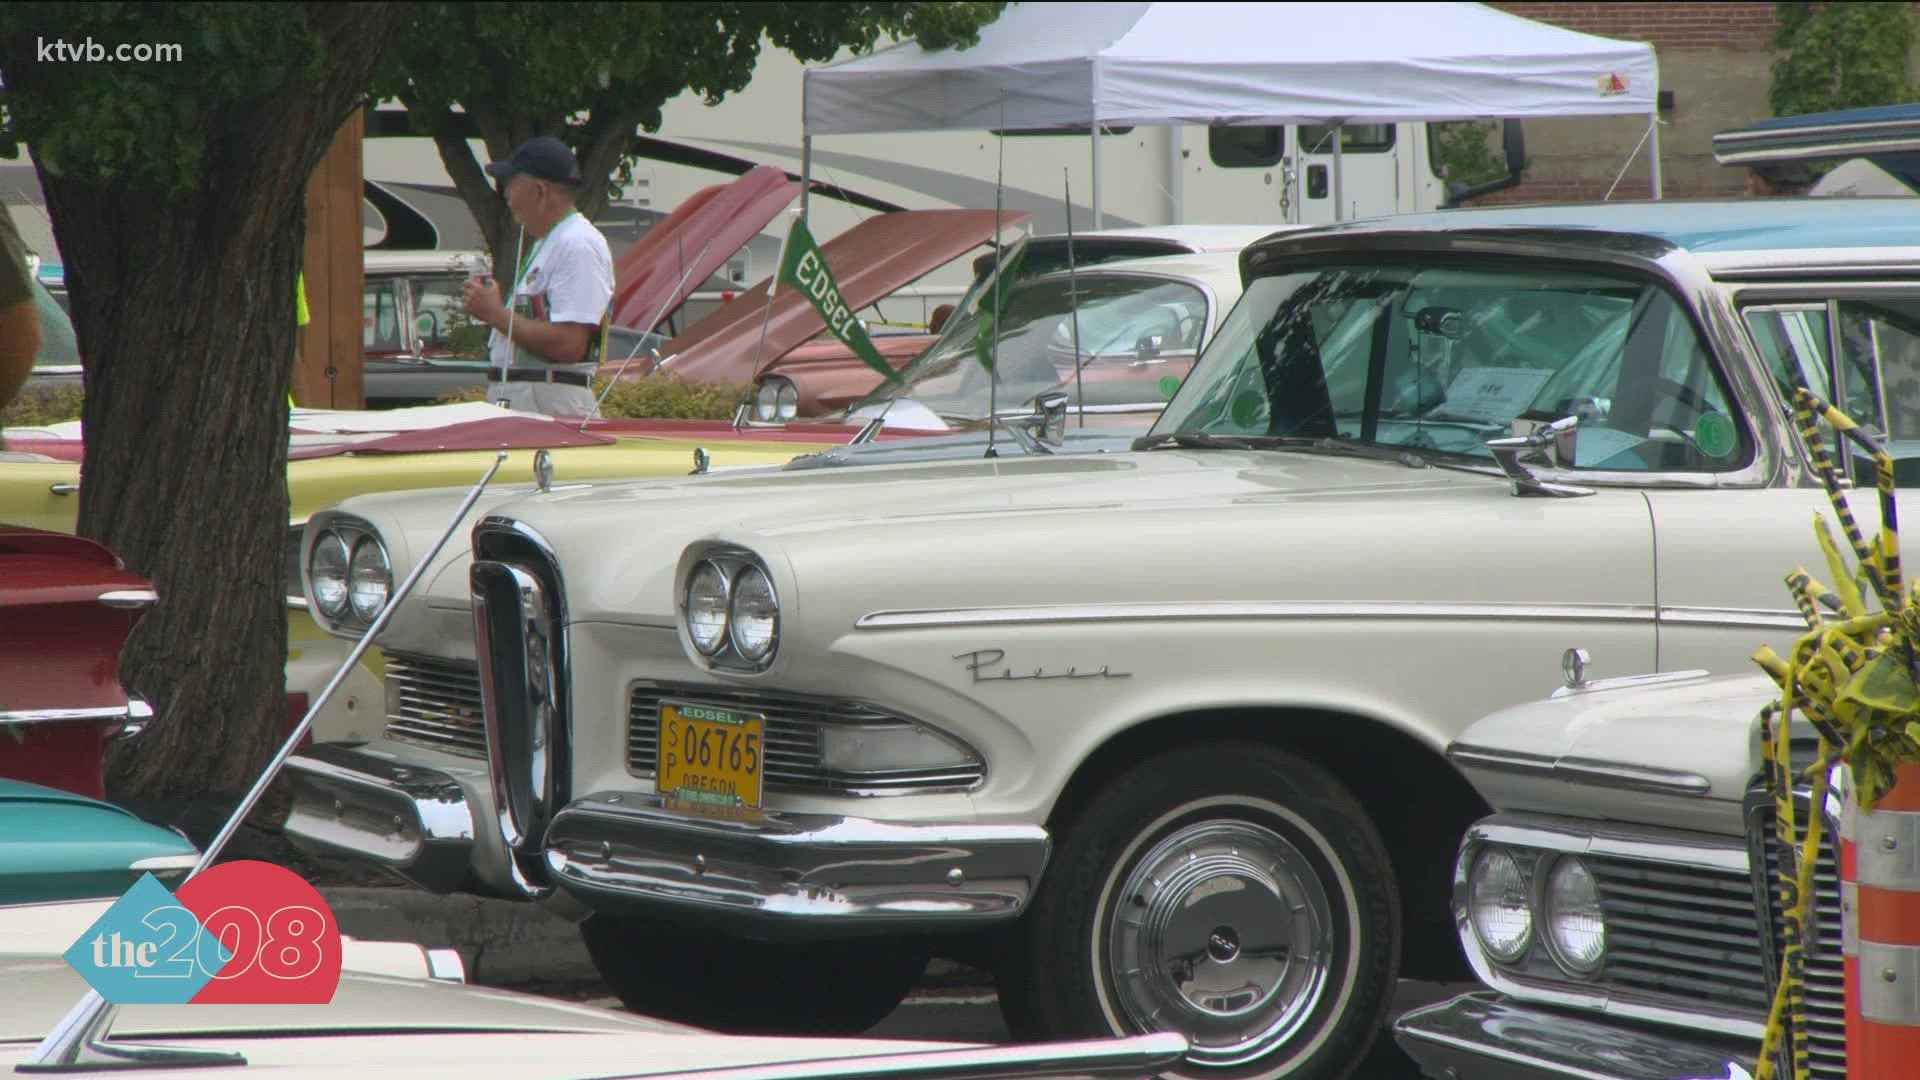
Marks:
<point>1716,60</point>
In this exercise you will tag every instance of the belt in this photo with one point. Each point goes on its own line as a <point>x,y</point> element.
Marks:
<point>571,378</point>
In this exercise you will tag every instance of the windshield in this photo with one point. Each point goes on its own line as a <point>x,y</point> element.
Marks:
<point>1138,337</point>
<point>1442,358</point>
<point>58,347</point>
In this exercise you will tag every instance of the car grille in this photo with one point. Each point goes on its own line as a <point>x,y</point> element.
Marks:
<point>1684,932</point>
<point>435,702</point>
<point>1823,983</point>
<point>793,734</point>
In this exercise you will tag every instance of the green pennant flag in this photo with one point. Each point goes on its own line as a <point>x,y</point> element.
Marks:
<point>993,300</point>
<point>803,267</point>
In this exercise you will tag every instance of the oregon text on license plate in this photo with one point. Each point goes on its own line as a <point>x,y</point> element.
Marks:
<point>709,756</point>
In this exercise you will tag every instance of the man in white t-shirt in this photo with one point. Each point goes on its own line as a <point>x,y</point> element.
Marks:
<point>561,291</point>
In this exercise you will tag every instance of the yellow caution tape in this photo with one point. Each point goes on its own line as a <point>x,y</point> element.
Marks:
<point>1852,676</point>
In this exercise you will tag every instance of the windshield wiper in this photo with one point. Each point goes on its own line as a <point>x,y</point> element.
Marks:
<point>1193,440</point>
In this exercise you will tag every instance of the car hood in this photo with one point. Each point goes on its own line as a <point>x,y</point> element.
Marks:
<point>877,257</point>
<point>1175,526</point>
<point>660,270</point>
<point>1656,748</point>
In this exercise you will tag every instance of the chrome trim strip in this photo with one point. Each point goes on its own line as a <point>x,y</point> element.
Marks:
<point>624,851</point>
<point>1124,1058</point>
<point>1612,841</point>
<point>298,603</point>
<point>160,864</point>
<point>1591,771</point>
<point>409,819</point>
<point>1757,618</point>
<point>134,711</point>
<point>1235,609</point>
<point>130,598</point>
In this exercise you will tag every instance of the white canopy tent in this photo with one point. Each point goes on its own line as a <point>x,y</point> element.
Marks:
<point>1089,65</point>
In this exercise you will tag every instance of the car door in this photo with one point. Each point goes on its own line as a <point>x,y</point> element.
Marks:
<point>1722,557</point>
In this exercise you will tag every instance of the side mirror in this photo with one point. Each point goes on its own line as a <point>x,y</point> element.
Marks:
<point>1558,438</point>
<point>1050,416</point>
<point>1513,141</point>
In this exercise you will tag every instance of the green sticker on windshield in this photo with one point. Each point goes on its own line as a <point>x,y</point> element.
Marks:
<point>1169,384</point>
<point>1714,434</point>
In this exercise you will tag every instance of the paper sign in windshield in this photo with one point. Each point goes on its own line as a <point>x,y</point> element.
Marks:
<point>1493,395</point>
<point>1597,444</point>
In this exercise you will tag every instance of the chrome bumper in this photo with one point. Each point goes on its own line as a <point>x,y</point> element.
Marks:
<point>1483,1036</point>
<point>414,821</point>
<point>788,875</point>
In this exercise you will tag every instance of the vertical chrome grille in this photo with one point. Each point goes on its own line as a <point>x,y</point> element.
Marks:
<point>1684,932</point>
<point>1823,982</point>
<point>794,730</point>
<point>436,703</point>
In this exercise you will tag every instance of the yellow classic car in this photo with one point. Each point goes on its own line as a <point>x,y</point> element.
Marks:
<point>335,455</point>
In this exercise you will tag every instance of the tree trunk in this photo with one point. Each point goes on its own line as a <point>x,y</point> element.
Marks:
<point>184,309</point>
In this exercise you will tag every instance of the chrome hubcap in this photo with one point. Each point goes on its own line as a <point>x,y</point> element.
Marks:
<point>1223,932</point>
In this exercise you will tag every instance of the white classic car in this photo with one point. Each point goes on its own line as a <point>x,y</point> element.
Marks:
<point>1621,905</point>
<point>1159,735</point>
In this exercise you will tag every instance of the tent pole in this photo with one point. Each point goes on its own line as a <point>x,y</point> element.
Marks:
<point>806,174</point>
<point>1176,178</point>
<point>1339,211</point>
<point>1653,151</point>
<point>1096,175</point>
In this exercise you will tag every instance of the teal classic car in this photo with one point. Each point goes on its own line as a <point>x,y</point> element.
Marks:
<point>56,845</point>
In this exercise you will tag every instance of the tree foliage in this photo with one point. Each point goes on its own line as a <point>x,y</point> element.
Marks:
<point>594,73</point>
<point>1840,56</point>
<point>176,188</point>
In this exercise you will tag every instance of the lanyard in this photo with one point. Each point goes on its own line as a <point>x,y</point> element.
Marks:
<point>520,276</point>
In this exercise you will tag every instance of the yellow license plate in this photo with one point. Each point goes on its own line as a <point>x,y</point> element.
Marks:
<point>712,757</point>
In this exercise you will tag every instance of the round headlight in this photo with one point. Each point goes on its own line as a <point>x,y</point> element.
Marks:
<point>754,615</point>
<point>707,608</point>
<point>327,573</point>
<point>788,404</point>
<point>1497,905</point>
<point>766,403</point>
<point>1576,927</point>
<point>370,579</point>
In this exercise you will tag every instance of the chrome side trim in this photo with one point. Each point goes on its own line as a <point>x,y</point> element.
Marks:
<point>1480,1034</point>
<point>414,821</point>
<point>1757,618</point>
<point>1124,1058</point>
<point>132,599</point>
<point>1605,840</point>
<point>1583,770</point>
<point>792,873</point>
<point>135,711</point>
<point>163,864</point>
<point>1235,609</point>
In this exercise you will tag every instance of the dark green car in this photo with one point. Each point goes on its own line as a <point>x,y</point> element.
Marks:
<point>56,845</point>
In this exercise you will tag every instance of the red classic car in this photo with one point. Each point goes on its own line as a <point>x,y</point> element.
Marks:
<point>66,608</point>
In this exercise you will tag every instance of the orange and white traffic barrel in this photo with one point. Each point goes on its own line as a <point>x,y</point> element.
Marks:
<point>1880,913</point>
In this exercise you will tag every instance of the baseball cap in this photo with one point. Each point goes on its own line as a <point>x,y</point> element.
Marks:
<point>543,158</point>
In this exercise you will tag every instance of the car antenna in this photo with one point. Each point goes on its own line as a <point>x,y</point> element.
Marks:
<point>1073,296</point>
<point>79,1041</point>
<point>766,316</point>
<point>686,271</point>
<point>999,255</point>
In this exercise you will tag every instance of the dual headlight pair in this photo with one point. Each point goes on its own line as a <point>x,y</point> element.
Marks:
<point>777,399</point>
<point>1515,896</point>
<point>348,571</point>
<point>730,604</point>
